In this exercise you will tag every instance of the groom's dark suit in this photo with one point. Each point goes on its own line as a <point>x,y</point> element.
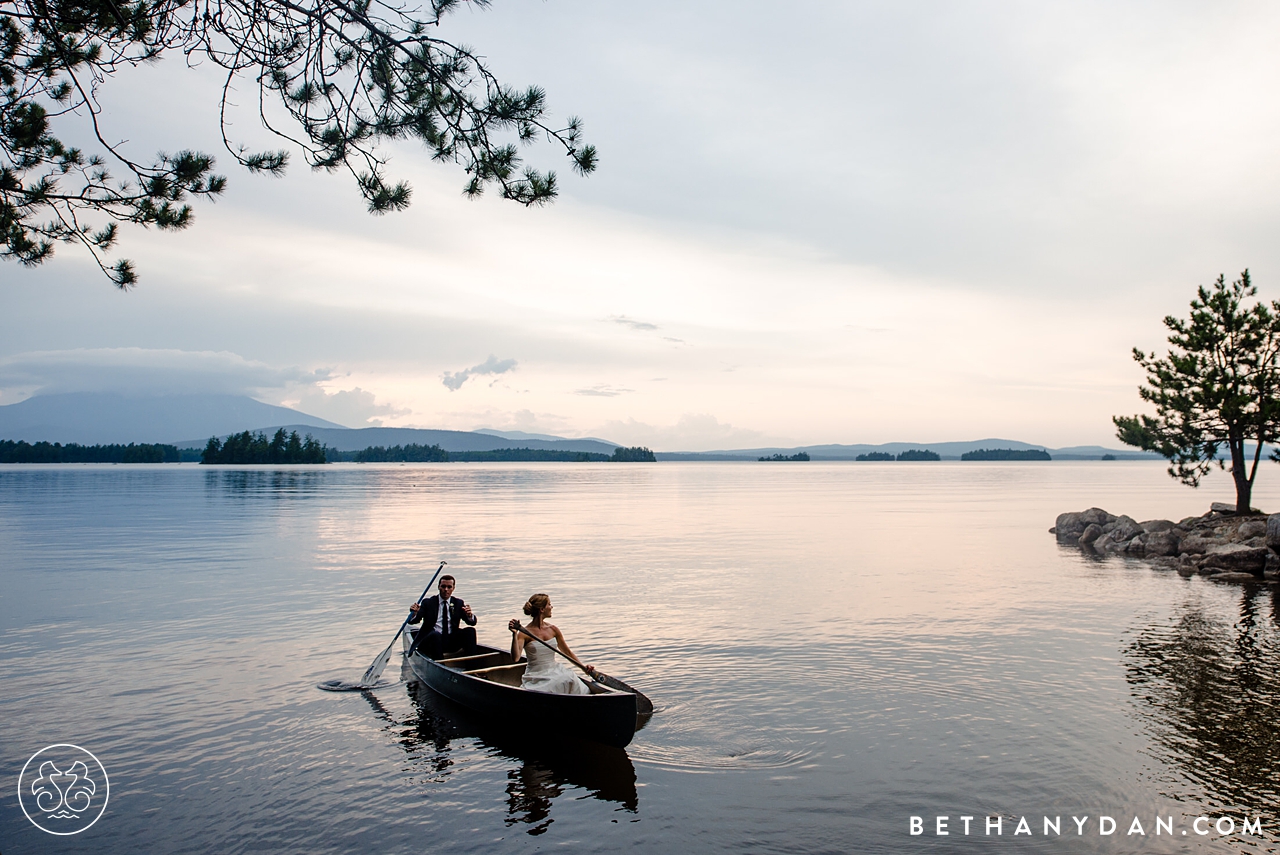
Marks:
<point>454,637</point>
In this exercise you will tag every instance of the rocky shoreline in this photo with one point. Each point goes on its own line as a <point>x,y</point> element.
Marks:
<point>1220,545</point>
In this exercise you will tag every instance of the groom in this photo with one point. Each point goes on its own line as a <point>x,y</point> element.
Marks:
<point>440,616</point>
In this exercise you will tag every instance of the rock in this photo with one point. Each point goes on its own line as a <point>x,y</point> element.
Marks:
<point>1164,564</point>
<point>1186,570</point>
<point>1164,542</point>
<point>1068,526</point>
<point>1197,544</point>
<point>1273,562</point>
<point>1151,526</point>
<point>1125,529</point>
<point>1233,576</point>
<point>1273,531</point>
<point>1252,528</point>
<point>1222,508</point>
<point>1090,534</point>
<point>1189,522</point>
<point>1137,547</point>
<point>1236,556</point>
<point>1096,515</point>
<point>1108,543</point>
<point>1271,575</point>
<point>1256,541</point>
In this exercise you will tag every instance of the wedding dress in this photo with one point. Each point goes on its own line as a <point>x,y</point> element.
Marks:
<point>544,673</point>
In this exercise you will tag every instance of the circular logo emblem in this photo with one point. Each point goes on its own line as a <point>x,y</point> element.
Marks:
<point>63,789</point>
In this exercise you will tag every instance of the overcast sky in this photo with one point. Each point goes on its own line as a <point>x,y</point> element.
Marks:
<point>815,222</point>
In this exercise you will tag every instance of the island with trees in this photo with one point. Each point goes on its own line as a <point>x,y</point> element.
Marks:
<point>45,452</point>
<point>1007,454</point>
<point>918,454</point>
<point>247,448</point>
<point>882,456</point>
<point>799,455</point>
<point>435,454</point>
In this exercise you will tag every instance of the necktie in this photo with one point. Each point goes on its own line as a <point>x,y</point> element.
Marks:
<point>448,624</point>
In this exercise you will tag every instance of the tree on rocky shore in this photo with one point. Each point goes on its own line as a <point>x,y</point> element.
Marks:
<point>334,79</point>
<point>1218,386</point>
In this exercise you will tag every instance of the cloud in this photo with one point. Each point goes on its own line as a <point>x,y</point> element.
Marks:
<point>603,391</point>
<point>691,432</point>
<point>137,370</point>
<point>351,407</point>
<point>633,323</point>
<point>453,380</point>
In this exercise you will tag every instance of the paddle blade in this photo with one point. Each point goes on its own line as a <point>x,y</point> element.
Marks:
<point>644,706</point>
<point>350,685</point>
<point>376,668</point>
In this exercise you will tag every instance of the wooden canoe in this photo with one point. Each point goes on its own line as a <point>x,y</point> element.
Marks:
<point>488,683</point>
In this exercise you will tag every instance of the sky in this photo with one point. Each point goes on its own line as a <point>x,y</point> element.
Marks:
<point>811,223</point>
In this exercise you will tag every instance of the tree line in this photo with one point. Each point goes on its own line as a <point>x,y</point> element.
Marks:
<point>249,447</point>
<point>414,453</point>
<point>45,452</point>
<point>909,454</point>
<point>1006,454</point>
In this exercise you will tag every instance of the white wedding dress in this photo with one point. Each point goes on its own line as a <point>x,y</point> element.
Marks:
<point>545,673</point>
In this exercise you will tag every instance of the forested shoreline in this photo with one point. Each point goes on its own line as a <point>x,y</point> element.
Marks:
<point>414,453</point>
<point>45,452</point>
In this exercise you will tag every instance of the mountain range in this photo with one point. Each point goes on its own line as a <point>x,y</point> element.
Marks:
<point>188,421</point>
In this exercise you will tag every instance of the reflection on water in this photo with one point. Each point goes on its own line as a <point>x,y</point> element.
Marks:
<point>543,770</point>
<point>266,481</point>
<point>1209,692</point>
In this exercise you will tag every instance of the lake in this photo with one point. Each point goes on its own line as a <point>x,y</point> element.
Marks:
<point>833,649</point>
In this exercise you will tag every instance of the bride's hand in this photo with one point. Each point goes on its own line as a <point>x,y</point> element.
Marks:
<point>513,625</point>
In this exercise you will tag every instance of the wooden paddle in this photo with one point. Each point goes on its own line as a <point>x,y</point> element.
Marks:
<point>644,706</point>
<point>375,670</point>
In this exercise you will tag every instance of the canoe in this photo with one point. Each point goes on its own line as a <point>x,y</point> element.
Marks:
<point>488,683</point>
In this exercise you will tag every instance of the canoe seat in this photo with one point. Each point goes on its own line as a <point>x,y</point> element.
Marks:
<point>508,675</point>
<point>471,663</point>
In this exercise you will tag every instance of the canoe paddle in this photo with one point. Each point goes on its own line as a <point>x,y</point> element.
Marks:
<point>374,671</point>
<point>644,706</point>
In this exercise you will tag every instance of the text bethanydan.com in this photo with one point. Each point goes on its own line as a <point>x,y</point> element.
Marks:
<point>1053,826</point>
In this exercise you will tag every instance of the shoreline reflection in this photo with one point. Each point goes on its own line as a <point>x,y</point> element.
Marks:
<point>1207,693</point>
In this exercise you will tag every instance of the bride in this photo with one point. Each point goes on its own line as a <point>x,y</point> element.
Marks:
<point>544,673</point>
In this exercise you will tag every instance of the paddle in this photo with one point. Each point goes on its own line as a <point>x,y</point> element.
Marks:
<point>644,706</point>
<point>380,661</point>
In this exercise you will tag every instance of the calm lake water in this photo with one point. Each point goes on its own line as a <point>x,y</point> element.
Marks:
<point>833,648</point>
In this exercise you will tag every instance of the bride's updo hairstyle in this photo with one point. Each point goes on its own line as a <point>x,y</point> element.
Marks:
<point>536,605</point>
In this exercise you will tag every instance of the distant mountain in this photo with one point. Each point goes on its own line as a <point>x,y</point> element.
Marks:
<point>521,435</point>
<point>946,450</point>
<point>91,418</point>
<point>357,439</point>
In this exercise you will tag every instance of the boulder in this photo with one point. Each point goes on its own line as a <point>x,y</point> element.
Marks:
<point>1273,562</point>
<point>1252,528</point>
<point>1221,508</point>
<point>1273,531</point>
<point>1165,542</point>
<point>1151,526</point>
<point>1196,543</point>
<point>1068,526</point>
<point>1090,534</point>
<point>1126,529</point>
<point>1233,576</point>
<point>1237,556</point>
<point>1186,570</point>
<point>1096,515</point>
<point>1164,564</point>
